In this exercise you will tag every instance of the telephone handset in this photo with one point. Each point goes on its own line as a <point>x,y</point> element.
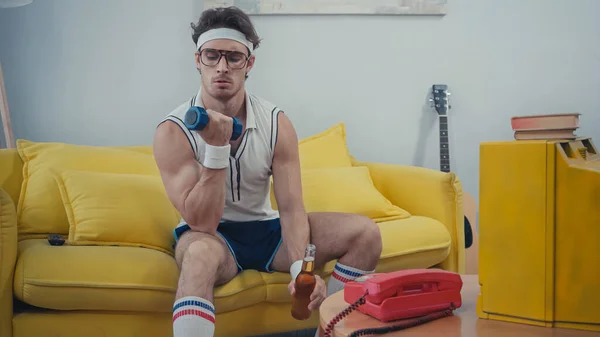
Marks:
<point>420,294</point>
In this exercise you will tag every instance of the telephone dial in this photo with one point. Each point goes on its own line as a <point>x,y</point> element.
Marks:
<point>416,295</point>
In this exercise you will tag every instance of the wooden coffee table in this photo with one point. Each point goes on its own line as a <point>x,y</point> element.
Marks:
<point>464,322</point>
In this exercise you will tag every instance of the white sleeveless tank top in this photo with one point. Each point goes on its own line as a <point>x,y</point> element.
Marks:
<point>248,181</point>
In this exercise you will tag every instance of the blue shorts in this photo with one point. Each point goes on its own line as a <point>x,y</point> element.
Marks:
<point>253,244</point>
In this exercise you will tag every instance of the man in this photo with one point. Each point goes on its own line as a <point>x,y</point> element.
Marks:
<point>222,187</point>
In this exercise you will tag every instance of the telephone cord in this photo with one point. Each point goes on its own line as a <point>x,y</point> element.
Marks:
<point>338,318</point>
<point>380,331</point>
<point>404,325</point>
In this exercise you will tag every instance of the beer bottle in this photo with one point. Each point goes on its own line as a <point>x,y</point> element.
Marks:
<point>304,285</point>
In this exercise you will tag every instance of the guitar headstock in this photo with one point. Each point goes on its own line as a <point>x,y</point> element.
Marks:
<point>440,99</point>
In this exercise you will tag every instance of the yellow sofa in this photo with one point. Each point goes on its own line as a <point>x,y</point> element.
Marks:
<point>116,276</point>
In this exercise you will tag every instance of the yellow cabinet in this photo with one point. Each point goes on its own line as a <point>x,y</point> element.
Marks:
<point>539,233</point>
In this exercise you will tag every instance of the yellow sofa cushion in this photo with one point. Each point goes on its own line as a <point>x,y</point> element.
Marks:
<point>347,190</point>
<point>117,209</point>
<point>114,279</point>
<point>135,279</point>
<point>325,149</point>
<point>412,243</point>
<point>40,209</point>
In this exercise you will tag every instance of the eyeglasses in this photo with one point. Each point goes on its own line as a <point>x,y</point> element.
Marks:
<point>212,57</point>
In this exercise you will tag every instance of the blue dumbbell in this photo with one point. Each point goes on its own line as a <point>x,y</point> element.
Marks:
<point>196,118</point>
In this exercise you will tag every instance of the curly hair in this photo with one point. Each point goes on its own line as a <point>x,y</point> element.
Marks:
<point>227,17</point>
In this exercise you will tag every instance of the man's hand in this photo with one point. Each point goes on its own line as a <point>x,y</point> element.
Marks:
<point>318,295</point>
<point>219,129</point>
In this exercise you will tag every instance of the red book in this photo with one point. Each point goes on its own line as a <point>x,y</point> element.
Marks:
<point>546,122</point>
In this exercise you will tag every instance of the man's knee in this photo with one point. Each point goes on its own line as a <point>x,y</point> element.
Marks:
<point>199,251</point>
<point>204,254</point>
<point>370,236</point>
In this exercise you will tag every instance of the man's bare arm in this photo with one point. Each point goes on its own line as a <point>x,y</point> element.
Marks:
<point>198,193</point>
<point>288,190</point>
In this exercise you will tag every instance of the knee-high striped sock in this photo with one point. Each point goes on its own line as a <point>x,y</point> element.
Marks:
<point>342,274</point>
<point>193,317</point>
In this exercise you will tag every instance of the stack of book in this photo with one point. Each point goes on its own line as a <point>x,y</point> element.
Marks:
<point>555,126</point>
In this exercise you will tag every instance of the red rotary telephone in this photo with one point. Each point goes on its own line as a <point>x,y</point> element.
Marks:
<point>421,295</point>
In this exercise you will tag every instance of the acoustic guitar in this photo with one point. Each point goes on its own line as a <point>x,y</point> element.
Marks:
<point>441,102</point>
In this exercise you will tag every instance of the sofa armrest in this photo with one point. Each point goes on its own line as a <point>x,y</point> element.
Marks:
<point>11,173</point>
<point>429,193</point>
<point>8,258</point>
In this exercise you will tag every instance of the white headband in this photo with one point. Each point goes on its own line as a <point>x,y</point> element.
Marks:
<point>224,33</point>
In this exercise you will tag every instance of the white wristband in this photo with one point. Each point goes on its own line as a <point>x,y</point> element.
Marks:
<point>295,269</point>
<point>216,157</point>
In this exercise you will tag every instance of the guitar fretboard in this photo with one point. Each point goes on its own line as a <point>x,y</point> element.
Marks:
<point>444,149</point>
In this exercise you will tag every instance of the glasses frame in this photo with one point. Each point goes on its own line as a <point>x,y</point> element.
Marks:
<point>221,54</point>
